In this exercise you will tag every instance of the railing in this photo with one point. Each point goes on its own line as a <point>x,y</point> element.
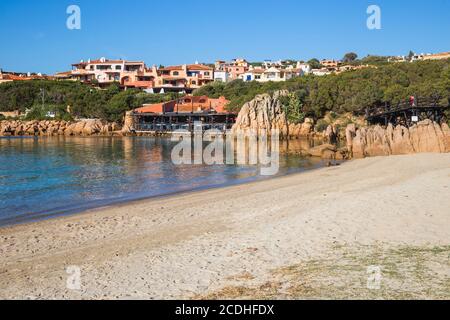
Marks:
<point>388,108</point>
<point>165,127</point>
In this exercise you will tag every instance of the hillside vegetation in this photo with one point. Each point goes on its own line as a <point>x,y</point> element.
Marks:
<point>348,91</point>
<point>39,97</point>
<point>310,95</point>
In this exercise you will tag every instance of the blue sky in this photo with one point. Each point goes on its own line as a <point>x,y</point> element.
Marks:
<point>34,37</point>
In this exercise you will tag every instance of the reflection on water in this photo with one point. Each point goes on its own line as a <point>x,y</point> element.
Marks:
<point>41,177</point>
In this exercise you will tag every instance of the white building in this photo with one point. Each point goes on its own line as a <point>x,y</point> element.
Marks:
<point>320,72</point>
<point>271,74</point>
<point>304,67</point>
<point>221,76</point>
<point>253,75</point>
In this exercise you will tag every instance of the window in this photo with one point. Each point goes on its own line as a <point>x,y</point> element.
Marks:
<point>176,73</point>
<point>194,82</point>
<point>206,73</point>
<point>187,101</point>
<point>118,67</point>
<point>202,100</point>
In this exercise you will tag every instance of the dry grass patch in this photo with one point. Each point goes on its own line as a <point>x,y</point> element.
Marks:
<point>407,272</point>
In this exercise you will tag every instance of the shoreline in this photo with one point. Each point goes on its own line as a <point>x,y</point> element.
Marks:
<point>89,208</point>
<point>198,243</point>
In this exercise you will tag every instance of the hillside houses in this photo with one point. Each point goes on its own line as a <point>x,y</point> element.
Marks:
<point>186,78</point>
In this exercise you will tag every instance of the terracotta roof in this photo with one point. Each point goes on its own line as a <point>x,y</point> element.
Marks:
<point>62,74</point>
<point>171,68</point>
<point>257,71</point>
<point>198,67</point>
<point>99,61</point>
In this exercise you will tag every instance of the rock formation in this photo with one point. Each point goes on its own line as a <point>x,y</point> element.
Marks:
<point>426,136</point>
<point>265,113</point>
<point>56,127</point>
<point>128,125</point>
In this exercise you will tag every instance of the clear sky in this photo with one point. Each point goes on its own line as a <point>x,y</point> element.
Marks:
<point>34,36</point>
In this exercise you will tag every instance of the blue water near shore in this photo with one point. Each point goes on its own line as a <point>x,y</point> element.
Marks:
<point>46,177</point>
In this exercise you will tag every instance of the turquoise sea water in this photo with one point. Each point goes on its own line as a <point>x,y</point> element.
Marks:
<point>44,177</point>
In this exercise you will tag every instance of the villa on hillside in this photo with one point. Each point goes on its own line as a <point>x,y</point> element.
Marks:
<point>191,76</point>
<point>271,74</point>
<point>104,71</point>
<point>17,76</point>
<point>135,74</point>
<point>229,71</point>
<point>183,113</point>
<point>429,56</point>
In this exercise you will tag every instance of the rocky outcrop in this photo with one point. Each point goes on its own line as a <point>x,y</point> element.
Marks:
<point>426,136</point>
<point>55,128</point>
<point>265,113</point>
<point>128,126</point>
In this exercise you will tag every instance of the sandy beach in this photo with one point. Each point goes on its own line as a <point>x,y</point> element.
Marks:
<point>305,236</point>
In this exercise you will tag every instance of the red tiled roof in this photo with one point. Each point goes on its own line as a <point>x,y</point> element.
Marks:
<point>99,61</point>
<point>198,67</point>
<point>172,68</point>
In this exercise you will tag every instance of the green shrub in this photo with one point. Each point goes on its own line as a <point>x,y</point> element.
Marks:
<point>321,125</point>
<point>84,101</point>
<point>349,91</point>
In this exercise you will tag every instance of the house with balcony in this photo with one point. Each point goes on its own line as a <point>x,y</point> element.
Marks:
<point>271,74</point>
<point>141,78</point>
<point>329,63</point>
<point>104,71</point>
<point>184,77</point>
<point>231,70</point>
<point>254,74</point>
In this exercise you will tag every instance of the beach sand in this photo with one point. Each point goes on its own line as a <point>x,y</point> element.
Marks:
<point>304,236</point>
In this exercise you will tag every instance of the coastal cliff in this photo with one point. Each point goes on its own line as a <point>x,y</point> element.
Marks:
<point>55,128</point>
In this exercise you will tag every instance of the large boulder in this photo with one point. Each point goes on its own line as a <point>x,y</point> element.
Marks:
<point>326,151</point>
<point>92,127</point>
<point>263,114</point>
<point>426,136</point>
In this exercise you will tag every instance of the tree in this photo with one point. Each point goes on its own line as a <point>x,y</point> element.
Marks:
<point>410,55</point>
<point>314,63</point>
<point>350,57</point>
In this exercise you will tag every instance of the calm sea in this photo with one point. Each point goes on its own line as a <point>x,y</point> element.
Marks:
<point>45,177</point>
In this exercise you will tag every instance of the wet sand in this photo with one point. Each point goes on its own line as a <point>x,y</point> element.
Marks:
<point>231,242</point>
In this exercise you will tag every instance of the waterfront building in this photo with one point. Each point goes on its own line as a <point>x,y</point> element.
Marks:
<point>183,113</point>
